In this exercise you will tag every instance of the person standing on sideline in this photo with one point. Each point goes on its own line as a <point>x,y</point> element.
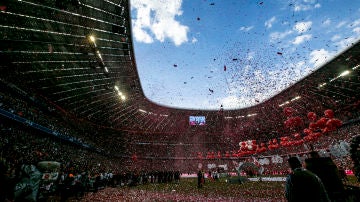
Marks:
<point>200,177</point>
<point>303,185</point>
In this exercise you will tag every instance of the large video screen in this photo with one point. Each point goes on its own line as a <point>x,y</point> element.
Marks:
<point>197,120</point>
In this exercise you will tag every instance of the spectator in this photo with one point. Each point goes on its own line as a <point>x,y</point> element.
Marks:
<point>303,185</point>
<point>200,178</point>
<point>5,183</point>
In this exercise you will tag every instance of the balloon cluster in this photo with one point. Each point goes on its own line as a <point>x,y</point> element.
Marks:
<point>273,144</point>
<point>316,128</point>
<point>292,121</point>
<point>250,147</point>
<point>323,125</point>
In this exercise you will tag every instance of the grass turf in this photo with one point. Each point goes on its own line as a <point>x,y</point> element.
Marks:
<point>187,190</point>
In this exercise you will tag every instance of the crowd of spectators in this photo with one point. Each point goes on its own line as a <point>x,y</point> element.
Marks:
<point>21,145</point>
<point>129,158</point>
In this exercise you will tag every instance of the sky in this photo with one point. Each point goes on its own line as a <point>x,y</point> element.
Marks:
<point>203,54</point>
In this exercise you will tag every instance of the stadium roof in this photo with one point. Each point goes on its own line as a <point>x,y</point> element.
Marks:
<point>78,56</point>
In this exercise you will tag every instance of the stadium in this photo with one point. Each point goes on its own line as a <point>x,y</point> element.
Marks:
<point>72,106</point>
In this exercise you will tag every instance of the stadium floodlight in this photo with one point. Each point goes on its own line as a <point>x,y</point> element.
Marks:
<point>322,85</point>
<point>345,73</point>
<point>92,38</point>
<point>295,98</point>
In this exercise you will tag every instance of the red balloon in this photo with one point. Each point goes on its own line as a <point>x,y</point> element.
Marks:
<point>293,122</point>
<point>300,142</point>
<point>243,148</point>
<point>332,124</point>
<point>321,123</point>
<point>307,138</point>
<point>274,146</point>
<point>307,131</point>
<point>286,144</point>
<point>298,121</point>
<point>288,111</point>
<point>297,135</point>
<point>337,123</point>
<point>329,113</point>
<point>251,147</point>
<point>288,123</point>
<point>311,116</point>
<point>313,126</point>
<point>316,135</point>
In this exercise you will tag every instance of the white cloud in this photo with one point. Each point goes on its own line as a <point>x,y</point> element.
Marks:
<point>250,55</point>
<point>246,29</point>
<point>301,69</point>
<point>301,39</point>
<point>233,101</point>
<point>141,35</point>
<point>156,19</point>
<point>247,69</point>
<point>275,36</point>
<point>302,27</point>
<point>340,24</point>
<point>357,30</point>
<point>306,5</point>
<point>194,40</point>
<point>269,23</point>
<point>355,23</point>
<point>301,7</point>
<point>347,42</point>
<point>319,57</point>
<point>335,37</point>
<point>326,22</point>
<point>299,66</point>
